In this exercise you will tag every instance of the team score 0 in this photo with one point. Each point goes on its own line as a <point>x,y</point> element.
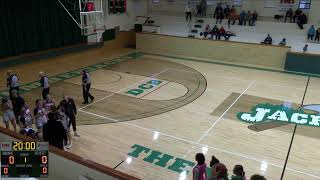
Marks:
<point>44,162</point>
<point>11,160</point>
<point>44,170</point>
<point>5,171</point>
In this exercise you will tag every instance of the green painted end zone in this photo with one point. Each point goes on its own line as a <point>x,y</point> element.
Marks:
<point>24,88</point>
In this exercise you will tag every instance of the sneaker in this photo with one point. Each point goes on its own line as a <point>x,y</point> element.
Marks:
<point>92,99</point>
<point>76,134</point>
<point>68,146</point>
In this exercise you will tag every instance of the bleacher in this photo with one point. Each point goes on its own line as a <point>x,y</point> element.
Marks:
<point>296,38</point>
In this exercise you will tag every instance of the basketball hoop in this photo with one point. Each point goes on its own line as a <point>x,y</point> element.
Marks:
<point>93,23</point>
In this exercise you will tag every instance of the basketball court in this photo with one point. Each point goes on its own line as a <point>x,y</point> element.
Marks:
<point>163,97</point>
<point>152,114</point>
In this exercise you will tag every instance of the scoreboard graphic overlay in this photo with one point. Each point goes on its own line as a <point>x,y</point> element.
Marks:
<point>24,159</point>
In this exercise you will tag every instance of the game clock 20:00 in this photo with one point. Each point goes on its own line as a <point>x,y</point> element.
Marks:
<point>24,146</point>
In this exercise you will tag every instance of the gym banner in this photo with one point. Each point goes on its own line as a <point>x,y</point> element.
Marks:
<point>287,1</point>
<point>117,6</point>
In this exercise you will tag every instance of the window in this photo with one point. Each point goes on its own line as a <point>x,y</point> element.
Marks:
<point>305,4</point>
<point>269,4</point>
<point>211,2</point>
<point>237,2</point>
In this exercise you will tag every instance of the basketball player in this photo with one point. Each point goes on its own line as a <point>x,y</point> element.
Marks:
<point>26,129</point>
<point>8,114</point>
<point>86,84</point>
<point>71,111</point>
<point>26,116</point>
<point>40,115</point>
<point>44,85</point>
<point>64,119</point>
<point>12,82</point>
<point>48,103</point>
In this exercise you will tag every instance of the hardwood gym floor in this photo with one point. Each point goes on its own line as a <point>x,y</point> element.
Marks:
<point>152,107</point>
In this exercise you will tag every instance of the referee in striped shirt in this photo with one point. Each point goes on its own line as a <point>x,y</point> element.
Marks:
<point>12,83</point>
<point>44,85</point>
<point>86,84</point>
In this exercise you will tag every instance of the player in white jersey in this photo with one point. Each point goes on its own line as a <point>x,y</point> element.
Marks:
<point>26,129</point>
<point>40,115</point>
<point>64,119</point>
<point>26,115</point>
<point>48,103</point>
<point>8,114</point>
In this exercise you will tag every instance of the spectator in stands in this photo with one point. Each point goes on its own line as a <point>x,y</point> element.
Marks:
<point>200,170</point>
<point>302,19</point>
<point>40,115</point>
<point>233,9</point>
<point>64,119</point>
<point>217,10</point>
<point>71,112</point>
<point>283,42</point>
<point>218,171</point>
<point>207,31</point>
<point>215,32</point>
<point>233,16</point>
<point>227,11</point>
<point>222,32</point>
<point>17,103</point>
<point>199,13</point>
<point>53,131</point>
<point>254,18</point>
<point>8,114</point>
<point>297,13</point>
<point>238,173</point>
<point>311,32</point>
<point>219,15</point>
<point>267,40</point>
<point>317,39</point>
<point>257,177</point>
<point>187,10</point>
<point>305,48</point>
<point>247,18</point>
<point>242,17</point>
<point>203,6</point>
<point>289,14</point>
